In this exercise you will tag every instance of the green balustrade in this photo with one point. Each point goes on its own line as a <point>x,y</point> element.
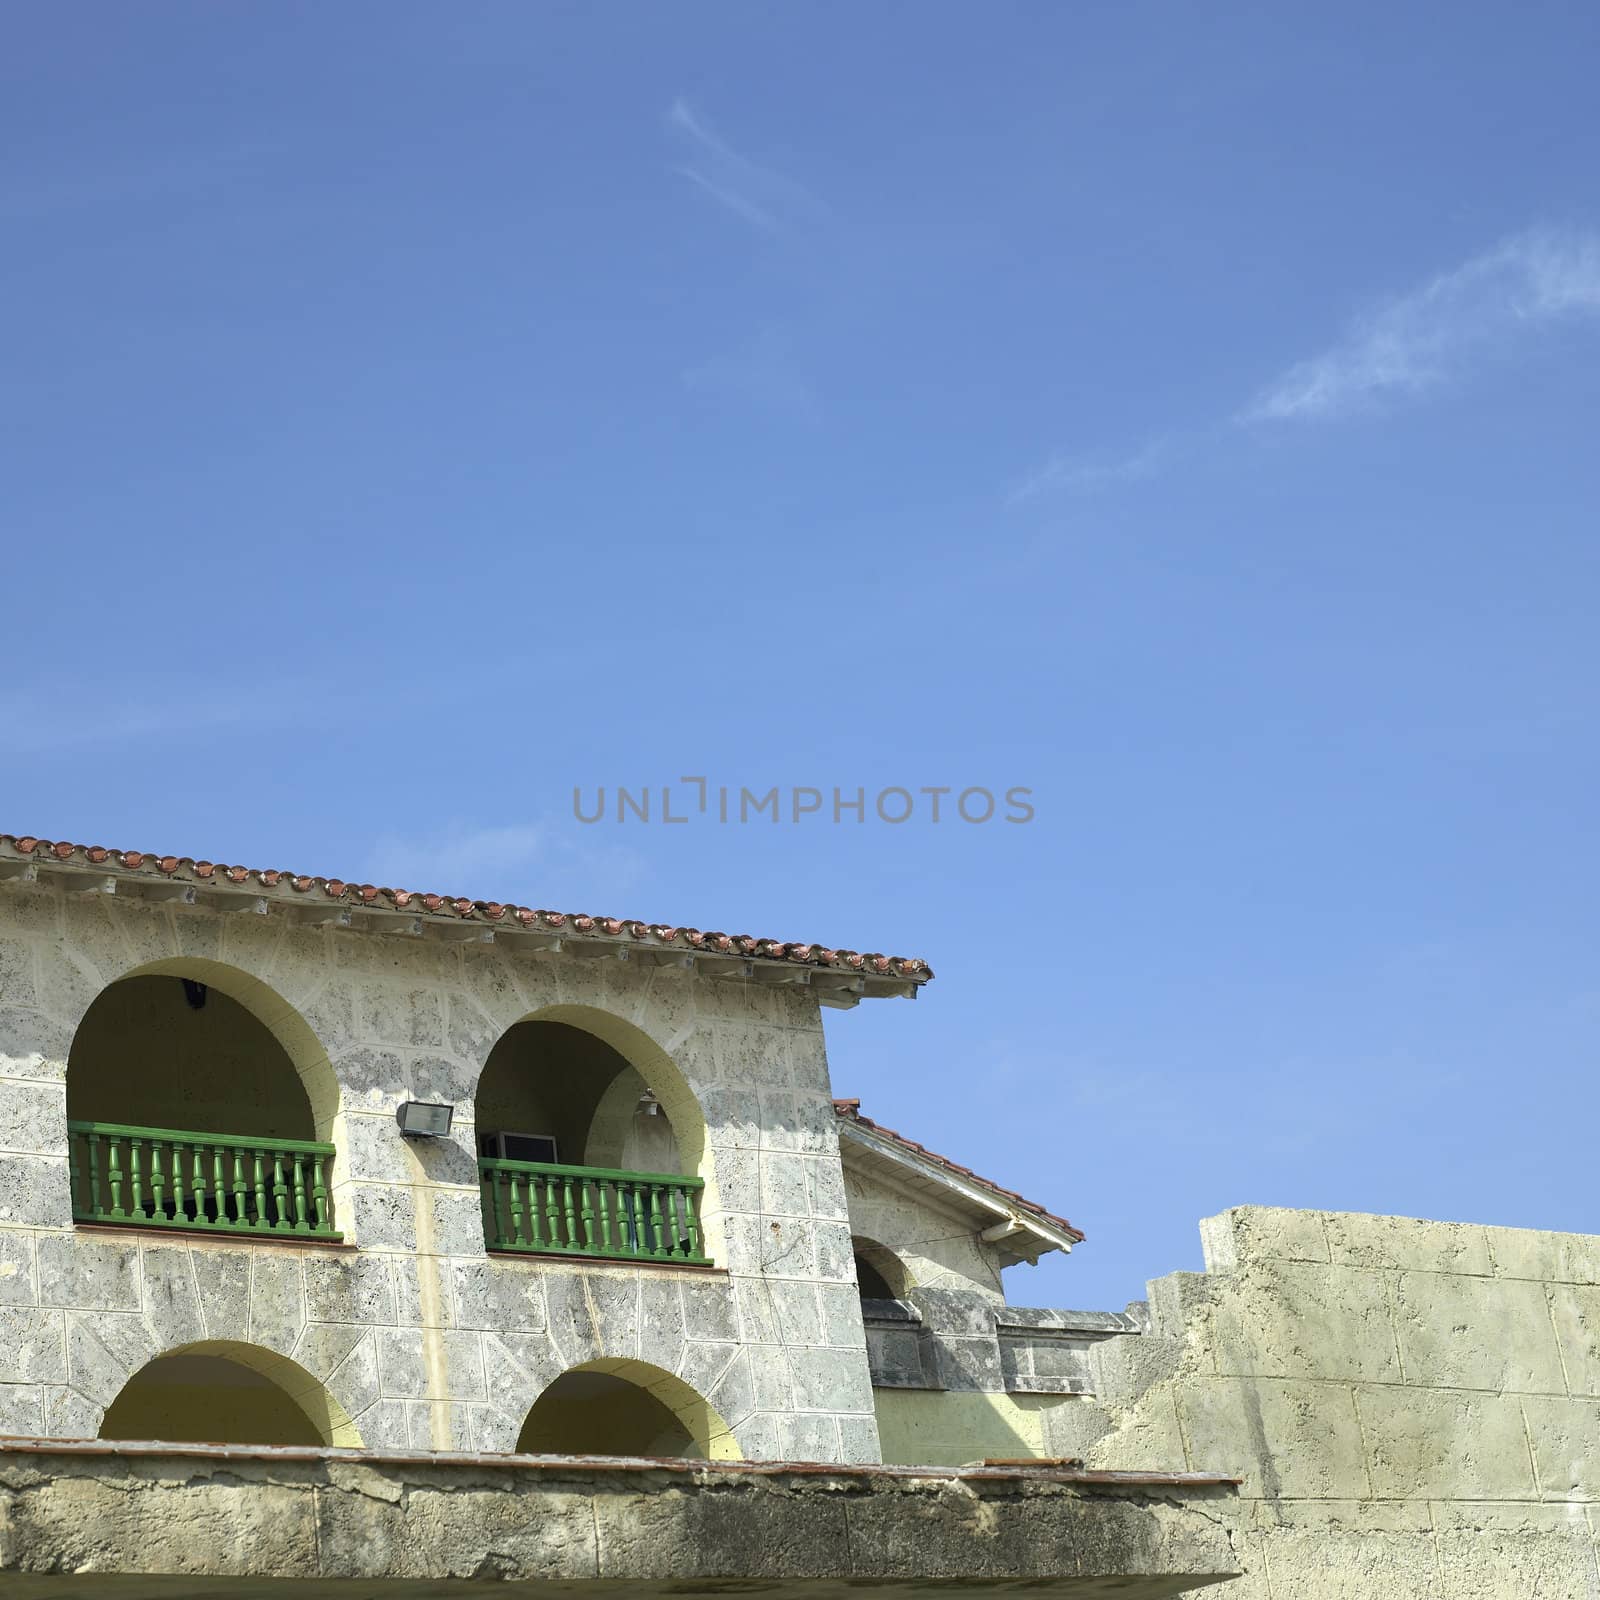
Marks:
<point>589,1211</point>
<point>164,1178</point>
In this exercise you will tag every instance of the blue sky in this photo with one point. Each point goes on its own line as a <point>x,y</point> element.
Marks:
<point>412,412</point>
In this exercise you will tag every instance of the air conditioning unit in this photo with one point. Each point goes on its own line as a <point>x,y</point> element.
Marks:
<point>539,1147</point>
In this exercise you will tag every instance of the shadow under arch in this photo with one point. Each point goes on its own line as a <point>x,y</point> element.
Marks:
<point>621,1406</point>
<point>291,1033</point>
<point>600,1137</point>
<point>880,1273</point>
<point>223,1391</point>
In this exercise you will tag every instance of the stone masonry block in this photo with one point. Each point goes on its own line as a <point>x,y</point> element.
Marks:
<point>1564,1432</point>
<point>222,1280</point>
<point>1544,1257</point>
<point>1358,1240</point>
<point>21,1409</point>
<point>82,1274</point>
<point>1262,1233</point>
<point>402,1369</point>
<point>463,1365</point>
<point>1308,1564</point>
<point>457,1222</point>
<point>499,1296</point>
<point>828,1380</point>
<point>171,1304</point>
<point>34,1192</point>
<point>277,1301</point>
<point>375,1148</point>
<point>33,1118</point>
<point>104,1350</point>
<point>382,1217</point>
<point>17,986</point>
<point>958,1312</point>
<point>17,1283</point>
<point>32,1346</point>
<point>1575,1311</point>
<point>32,1044</point>
<point>783,1185</point>
<point>1445,1444</point>
<point>1305,1320</point>
<point>1548,1564</point>
<point>1476,1333</point>
<point>968,1364</point>
<point>1299,1440</point>
<point>348,1289</point>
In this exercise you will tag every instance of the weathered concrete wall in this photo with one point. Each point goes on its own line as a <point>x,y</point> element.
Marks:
<point>325,1526</point>
<point>1414,1406</point>
<point>421,1337</point>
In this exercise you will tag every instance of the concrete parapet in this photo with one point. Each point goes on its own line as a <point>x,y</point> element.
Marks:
<point>203,1520</point>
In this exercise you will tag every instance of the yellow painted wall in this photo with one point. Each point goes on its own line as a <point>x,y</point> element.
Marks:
<point>143,1055</point>
<point>930,1427</point>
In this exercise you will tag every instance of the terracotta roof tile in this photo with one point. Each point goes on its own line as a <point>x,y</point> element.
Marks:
<point>850,1111</point>
<point>488,911</point>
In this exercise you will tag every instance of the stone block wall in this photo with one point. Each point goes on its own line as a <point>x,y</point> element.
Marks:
<point>423,1338</point>
<point>1414,1406</point>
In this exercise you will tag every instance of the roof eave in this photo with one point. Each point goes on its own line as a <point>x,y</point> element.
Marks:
<point>838,978</point>
<point>1017,1221</point>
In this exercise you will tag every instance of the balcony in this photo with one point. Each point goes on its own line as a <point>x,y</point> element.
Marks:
<point>127,1176</point>
<point>544,1209</point>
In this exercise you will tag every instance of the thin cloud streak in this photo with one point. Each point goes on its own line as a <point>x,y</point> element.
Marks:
<point>1530,283</point>
<point>1429,336</point>
<point>765,199</point>
<point>1085,474</point>
<point>731,198</point>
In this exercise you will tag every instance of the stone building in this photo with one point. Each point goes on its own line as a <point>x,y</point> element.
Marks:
<point>348,1234</point>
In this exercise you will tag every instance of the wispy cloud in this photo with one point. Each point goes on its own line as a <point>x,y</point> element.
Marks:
<point>1531,282</point>
<point>1086,473</point>
<point>764,198</point>
<point>1433,334</point>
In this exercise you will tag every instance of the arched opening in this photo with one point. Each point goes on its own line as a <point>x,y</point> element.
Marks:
<point>553,1092</point>
<point>220,1392</point>
<point>198,1098</point>
<point>880,1273</point>
<point>625,1408</point>
<point>589,1142</point>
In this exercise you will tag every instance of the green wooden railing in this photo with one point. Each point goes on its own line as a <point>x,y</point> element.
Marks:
<point>163,1178</point>
<point>589,1211</point>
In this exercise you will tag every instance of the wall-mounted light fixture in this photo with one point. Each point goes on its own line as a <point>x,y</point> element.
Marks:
<point>425,1121</point>
<point>649,1106</point>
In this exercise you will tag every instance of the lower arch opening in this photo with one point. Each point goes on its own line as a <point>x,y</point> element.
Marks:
<point>625,1408</point>
<point>220,1392</point>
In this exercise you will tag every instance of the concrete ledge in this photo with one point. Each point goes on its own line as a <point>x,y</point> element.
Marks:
<point>129,1520</point>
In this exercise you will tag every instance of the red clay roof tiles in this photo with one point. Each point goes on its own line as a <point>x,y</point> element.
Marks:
<point>486,911</point>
